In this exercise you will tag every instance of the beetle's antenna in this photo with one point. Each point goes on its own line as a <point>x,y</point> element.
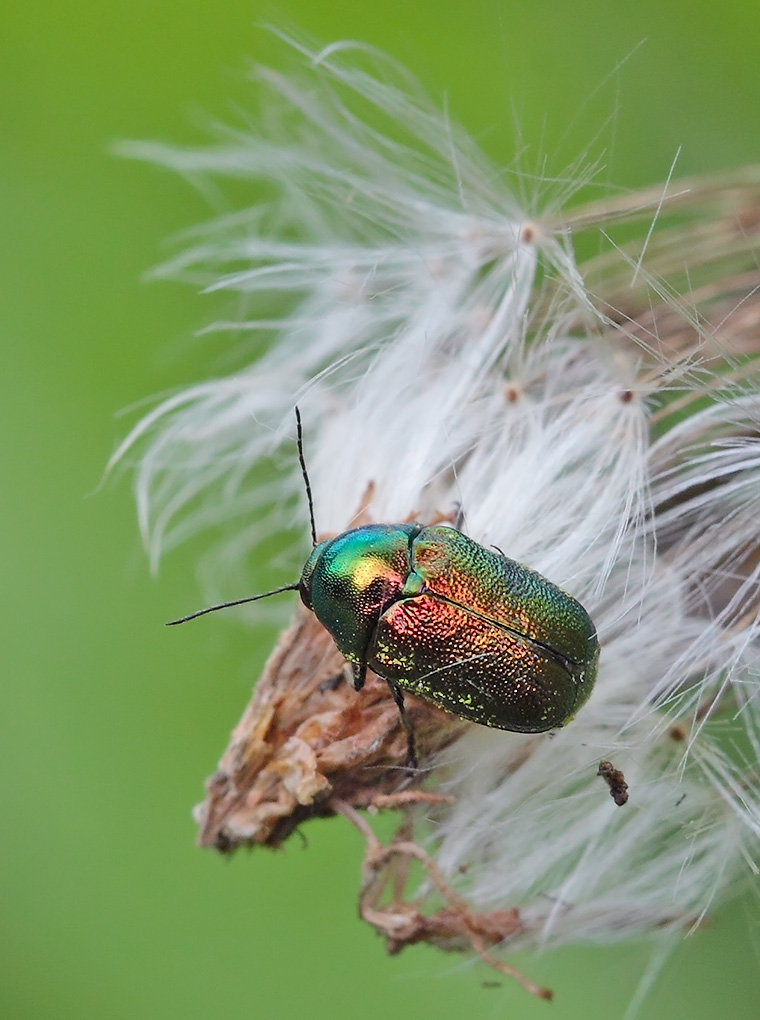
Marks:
<point>305,473</point>
<point>236,602</point>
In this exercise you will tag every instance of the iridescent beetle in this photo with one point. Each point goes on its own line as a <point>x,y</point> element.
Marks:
<point>433,612</point>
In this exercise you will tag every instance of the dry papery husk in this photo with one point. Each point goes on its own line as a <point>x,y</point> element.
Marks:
<point>309,746</point>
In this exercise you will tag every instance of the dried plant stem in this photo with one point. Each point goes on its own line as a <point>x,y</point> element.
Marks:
<point>401,924</point>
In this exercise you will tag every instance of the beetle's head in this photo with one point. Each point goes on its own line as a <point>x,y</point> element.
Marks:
<point>350,580</point>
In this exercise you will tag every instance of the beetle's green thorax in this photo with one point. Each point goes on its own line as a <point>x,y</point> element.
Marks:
<point>349,580</point>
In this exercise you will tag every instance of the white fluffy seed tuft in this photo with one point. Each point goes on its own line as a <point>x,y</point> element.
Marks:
<point>445,349</point>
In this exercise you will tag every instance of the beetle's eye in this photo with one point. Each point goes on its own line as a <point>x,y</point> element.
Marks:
<point>304,590</point>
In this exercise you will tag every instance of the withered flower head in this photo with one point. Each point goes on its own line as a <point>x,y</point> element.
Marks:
<point>596,419</point>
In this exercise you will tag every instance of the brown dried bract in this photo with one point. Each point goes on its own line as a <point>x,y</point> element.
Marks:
<point>307,746</point>
<point>304,740</point>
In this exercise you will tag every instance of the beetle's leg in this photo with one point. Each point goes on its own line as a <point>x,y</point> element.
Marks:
<point>358,674</point>
<point>411,750</point>
<point>459,518</point>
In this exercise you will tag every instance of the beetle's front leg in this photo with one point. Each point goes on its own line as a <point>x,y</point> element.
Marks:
<point>358,674</point>
<point>411,748</point>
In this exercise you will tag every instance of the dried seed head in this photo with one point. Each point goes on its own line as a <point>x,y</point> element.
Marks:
<point>599,422</point>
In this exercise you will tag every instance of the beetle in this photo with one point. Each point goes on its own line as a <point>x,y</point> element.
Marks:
<point>465,628</point>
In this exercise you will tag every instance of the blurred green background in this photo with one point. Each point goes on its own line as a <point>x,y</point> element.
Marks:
<point>110,722</point>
